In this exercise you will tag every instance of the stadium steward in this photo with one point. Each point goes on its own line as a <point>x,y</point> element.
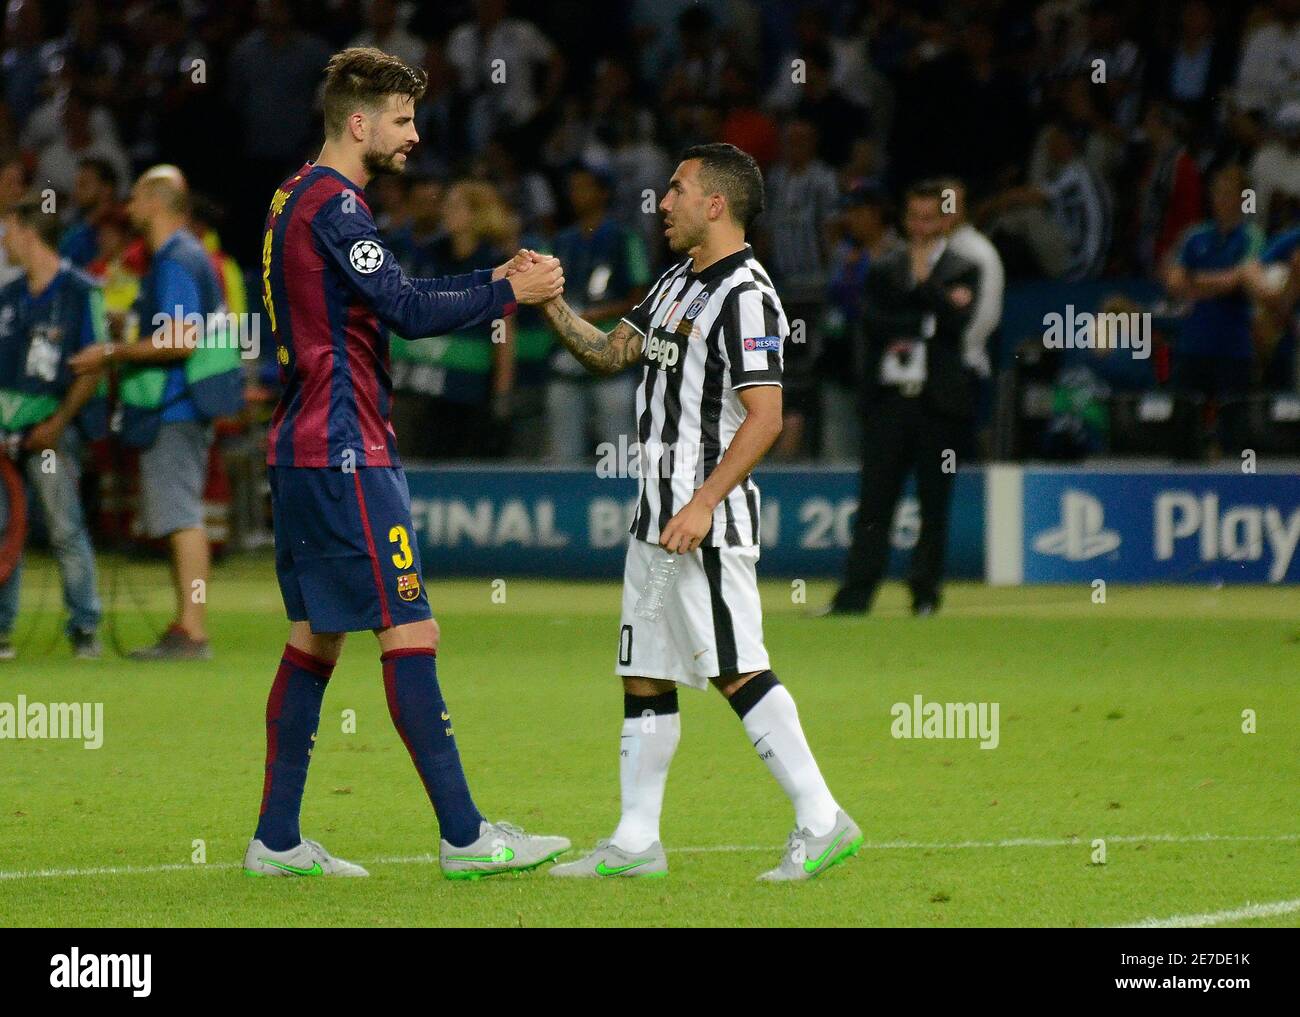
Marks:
<point>172,386</point>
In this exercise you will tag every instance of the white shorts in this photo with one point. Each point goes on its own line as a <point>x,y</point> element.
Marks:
<point>711,623</point>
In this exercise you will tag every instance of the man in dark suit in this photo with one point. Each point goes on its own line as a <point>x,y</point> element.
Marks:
<point>919,399</point>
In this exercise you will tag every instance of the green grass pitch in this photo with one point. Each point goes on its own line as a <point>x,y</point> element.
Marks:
<point>1119,722</point>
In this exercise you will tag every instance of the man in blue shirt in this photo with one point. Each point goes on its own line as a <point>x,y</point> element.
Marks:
<point>608,270</point>
<point>180,283</point>
<point>47,315</point>
<point>1213,352</point>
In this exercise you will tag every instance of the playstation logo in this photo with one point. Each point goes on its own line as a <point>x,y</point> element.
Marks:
<point>1082,534</point>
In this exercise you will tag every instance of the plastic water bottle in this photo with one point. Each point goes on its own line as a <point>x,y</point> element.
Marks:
<point>662,575</point>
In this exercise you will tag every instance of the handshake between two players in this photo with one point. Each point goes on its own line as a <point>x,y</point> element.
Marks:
<point>535,278</point>
<point>708,338</point>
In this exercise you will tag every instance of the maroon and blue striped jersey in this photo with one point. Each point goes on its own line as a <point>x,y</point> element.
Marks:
<point>333,293</point>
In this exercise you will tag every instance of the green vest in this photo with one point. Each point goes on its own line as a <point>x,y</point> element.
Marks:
<point>21,410</point>
<point>142,385</point>
<point>213,378</point>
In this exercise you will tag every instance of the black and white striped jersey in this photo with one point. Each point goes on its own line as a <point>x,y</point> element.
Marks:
<point>706,335</point>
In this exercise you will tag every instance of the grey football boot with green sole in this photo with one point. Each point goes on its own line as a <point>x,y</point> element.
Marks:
<point>807,857</point>
<point>501,847</point>
<point>305,859</point>
<point>611,860</point>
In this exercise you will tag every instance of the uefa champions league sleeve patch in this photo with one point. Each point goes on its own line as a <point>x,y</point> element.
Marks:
<point>366,256</point>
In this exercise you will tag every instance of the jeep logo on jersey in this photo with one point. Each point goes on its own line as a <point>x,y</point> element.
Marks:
<point>366,256</point>
<point>663,350</point>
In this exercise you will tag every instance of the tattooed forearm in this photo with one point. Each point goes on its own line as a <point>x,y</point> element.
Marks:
<point>597,351</point>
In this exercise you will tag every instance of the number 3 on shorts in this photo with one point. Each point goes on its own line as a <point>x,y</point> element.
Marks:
<point>402,557</point>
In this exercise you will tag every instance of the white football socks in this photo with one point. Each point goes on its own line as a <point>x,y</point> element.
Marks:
<point>774,730</point>
<point>646,749</point>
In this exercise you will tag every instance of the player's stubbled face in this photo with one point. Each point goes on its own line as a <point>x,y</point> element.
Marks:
<point>392,137</point>
<point>683,207</point>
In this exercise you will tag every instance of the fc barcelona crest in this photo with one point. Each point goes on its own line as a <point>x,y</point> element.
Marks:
<point>408,586</point>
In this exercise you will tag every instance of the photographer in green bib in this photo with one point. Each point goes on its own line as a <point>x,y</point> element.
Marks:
<point>172,386</point>
<point>48,314</point>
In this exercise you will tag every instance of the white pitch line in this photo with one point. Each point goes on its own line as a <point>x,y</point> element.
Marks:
<point>1281,907</point>
<point>895,845</point>
<point>1016,842</point>
<point>110,870</point>
<point>1163,838</point>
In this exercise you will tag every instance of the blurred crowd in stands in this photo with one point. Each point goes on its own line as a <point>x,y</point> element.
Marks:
<point>1156,145</point>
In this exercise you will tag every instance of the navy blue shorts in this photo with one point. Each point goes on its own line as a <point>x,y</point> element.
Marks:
<point>345,550</point>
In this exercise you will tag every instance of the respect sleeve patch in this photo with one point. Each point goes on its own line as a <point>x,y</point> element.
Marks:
<point>754,351</point>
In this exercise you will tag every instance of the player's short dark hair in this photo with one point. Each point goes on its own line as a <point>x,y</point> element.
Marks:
<point>734,174</point>
<point>31,212</point>
<point>363,77</point>
<point>102,168</point>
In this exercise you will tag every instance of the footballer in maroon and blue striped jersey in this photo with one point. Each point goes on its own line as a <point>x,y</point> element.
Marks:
<point>346,553</point>
<point>333,292</point>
